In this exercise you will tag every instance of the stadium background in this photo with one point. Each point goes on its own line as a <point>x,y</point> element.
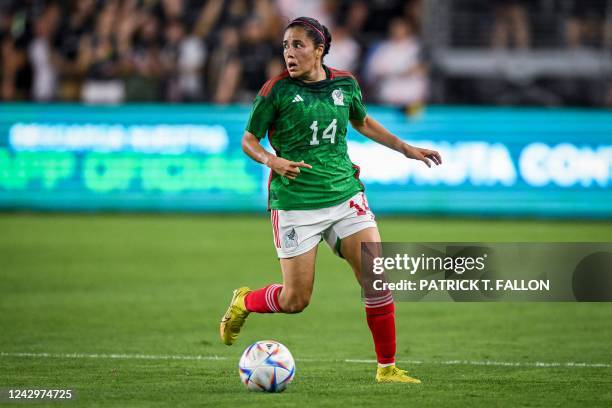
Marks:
<point>115,111</point>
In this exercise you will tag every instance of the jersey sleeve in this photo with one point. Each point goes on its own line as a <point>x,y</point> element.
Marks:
<point>262,116</point>
<point>357,109</point>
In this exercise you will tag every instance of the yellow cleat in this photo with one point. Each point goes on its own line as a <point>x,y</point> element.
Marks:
<point>392,374</point>
<point>234,318</point>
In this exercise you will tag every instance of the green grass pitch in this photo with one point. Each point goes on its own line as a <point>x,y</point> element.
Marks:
<point>139,297</point>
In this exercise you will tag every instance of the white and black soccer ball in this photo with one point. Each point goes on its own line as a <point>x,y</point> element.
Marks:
<point>266,365</point>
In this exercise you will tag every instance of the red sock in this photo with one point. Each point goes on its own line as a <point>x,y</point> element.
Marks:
<point>380,314</point>
<point>264,300</point>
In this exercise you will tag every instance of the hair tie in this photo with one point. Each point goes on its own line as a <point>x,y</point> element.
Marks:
<point>298,21</point>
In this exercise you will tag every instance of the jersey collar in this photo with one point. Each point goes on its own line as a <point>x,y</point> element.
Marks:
<point>315,85</point>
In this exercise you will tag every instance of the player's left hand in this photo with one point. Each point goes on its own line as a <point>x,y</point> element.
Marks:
<point>425,155</point>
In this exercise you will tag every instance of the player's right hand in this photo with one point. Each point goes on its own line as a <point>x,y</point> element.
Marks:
<point>287,168</point>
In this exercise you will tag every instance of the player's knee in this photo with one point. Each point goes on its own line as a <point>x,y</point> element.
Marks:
<point>296,307</point>
<point>295,304</point>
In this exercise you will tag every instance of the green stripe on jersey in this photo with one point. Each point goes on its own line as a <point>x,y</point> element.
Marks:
<point>308,121</point>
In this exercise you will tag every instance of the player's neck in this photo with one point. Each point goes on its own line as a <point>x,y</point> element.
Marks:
<point>316,75</point>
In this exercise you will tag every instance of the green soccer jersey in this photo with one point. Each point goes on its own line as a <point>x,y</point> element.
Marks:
<point>308,121</point>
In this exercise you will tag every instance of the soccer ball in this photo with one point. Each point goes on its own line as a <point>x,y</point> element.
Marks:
<point>267,366</point>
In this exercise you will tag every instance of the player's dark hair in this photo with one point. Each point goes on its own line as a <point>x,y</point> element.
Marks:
<point>316,31</point>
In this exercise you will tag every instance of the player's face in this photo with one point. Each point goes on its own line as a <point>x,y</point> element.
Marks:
<point>301,55</point>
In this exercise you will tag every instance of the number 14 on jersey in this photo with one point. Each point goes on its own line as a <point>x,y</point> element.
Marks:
<point>328,133</point>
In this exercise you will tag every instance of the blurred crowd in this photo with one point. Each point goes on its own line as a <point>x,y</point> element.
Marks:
<point>222,51</point>
<point>525,24</point>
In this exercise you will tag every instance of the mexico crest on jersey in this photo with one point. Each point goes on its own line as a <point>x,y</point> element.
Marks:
<point>338,97</point>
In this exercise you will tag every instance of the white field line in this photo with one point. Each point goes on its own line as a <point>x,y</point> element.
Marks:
<point>538,364</point>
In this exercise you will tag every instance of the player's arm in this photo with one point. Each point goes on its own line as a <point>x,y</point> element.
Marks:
<point>283,167</point>
<point>372,129</point>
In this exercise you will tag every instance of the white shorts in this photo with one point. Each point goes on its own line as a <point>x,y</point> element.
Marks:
<point>298,231</point>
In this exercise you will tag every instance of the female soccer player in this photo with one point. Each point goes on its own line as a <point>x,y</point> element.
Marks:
<point>314,188</point>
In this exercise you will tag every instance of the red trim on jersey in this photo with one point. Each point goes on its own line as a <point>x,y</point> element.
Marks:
<point>338,73</point>
<point>269,183</point>
<point>357,172</point>
<point>267,87</point>
<point>270,134</point>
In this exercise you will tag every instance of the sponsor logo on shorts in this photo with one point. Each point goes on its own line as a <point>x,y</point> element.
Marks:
<point>290,240</point>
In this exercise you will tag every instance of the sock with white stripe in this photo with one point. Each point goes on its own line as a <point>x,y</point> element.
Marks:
<point>380,314</point>
<point>264,300</point>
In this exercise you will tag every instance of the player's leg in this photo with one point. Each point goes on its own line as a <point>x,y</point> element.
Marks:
<point>353,224</point>
<point>296,236</point>
<point>379,307</point>
<point>292,296</point>
<point>298,281</point>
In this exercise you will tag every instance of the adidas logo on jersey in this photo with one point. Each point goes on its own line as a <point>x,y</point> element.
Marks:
<point>297,98</point>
